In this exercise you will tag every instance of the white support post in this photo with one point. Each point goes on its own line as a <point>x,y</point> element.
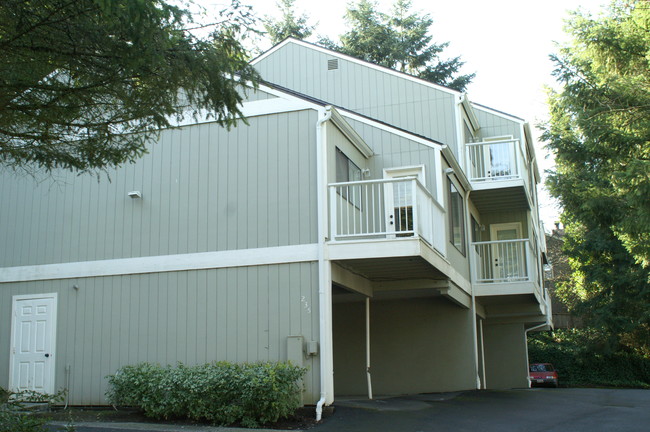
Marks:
<point>414,192</point>
<point>368,348</point>
<point>333,218</point>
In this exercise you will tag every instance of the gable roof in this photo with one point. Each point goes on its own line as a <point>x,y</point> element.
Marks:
<point>366,63</point>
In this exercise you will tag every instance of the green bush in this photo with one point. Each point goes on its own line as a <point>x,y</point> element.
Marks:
<point>14,418</point>
<point>583,358</point>
<point>222,393</point>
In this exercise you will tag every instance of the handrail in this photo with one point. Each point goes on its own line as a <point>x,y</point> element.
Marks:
<point>473,144</point>
<point>500,241</point>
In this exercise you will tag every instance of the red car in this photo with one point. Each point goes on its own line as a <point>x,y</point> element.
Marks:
<point>543,374</point>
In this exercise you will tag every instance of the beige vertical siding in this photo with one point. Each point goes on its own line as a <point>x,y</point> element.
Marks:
<point>375,93</point>
<point>204,188</point>
<point>417,346</point>
<point>497,125</point>
<point>238,314</point>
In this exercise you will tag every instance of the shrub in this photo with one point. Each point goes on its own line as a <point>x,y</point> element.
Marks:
<point>583,358</point>
<point>14,418</point>
<point>222,393</point>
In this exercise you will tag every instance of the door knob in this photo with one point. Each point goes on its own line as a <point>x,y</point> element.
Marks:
<point>47,355</point>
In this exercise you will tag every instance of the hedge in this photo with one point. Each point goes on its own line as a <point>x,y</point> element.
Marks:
<point>222,393</point>
<point>582,361</point>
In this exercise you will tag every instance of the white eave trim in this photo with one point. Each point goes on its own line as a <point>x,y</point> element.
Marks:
<point>391,129</point>
<point>350,133</point>
<point>528,137</point>
<point>498,113</point>
<point>457,170</point>
<point>162,263</point>
<point>357,61</point>
<point>281,103</point>
<point>469,111</point>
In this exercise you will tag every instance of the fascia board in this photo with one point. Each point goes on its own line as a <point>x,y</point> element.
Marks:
<point>350,133</point>
<point>469,110</point>
<point>271,50</point>
<point>357,61</point>
<point>453,164</point>
<point>497,113</point>
<point>529,142</point>
<point>388,128</point>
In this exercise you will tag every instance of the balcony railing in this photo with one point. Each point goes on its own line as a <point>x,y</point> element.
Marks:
<point>495,160</point>
<point>504,261</point>
<point>386,209</point>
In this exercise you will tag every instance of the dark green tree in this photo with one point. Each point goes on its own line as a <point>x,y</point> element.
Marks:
<point>599,133</point>
<point>400,41</point>
<point>86,84</point>
<point>289,25</point>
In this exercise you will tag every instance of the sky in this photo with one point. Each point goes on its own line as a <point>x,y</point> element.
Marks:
<point>507,44</point>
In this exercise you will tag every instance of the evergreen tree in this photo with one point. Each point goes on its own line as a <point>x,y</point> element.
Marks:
<point>86,84</point>
<point>400,41</point>
<point>289,25</point>
<point>599,132</point>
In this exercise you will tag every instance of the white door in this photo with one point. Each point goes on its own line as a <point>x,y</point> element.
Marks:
<point>399,199</point>
<point>33,331</point>
<point>508,256</point>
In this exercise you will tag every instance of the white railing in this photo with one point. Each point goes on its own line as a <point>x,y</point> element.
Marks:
<point>388,208</point>
<point>495,160</point>
<point>504,261</point>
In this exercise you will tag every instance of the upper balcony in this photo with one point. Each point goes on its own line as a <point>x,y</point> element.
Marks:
<point>390,230</point>
<point>499,174</point>
<point>386,209</point>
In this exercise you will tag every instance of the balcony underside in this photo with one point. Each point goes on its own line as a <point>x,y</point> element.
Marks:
<point>509,308</point>
<point>490,196</point>
<point>395,268</point>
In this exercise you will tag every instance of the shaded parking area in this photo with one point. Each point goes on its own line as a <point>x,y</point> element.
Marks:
<point>538,409</point>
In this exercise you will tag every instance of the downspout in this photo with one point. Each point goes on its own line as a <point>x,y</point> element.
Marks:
<point>473,309</point>
<point>526,341</point>
<point>368,348</point>
<point>324,298</point>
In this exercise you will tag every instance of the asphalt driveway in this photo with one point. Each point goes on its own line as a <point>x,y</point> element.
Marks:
<point>574,410</point>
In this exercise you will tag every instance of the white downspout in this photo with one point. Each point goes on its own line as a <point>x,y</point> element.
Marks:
<point>469,263</point>
<point>526,341</point>
<point>324,291</point>
<point>368,348</point>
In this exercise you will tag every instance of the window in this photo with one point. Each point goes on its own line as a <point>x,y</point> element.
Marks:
<point>347,171</point>
<point>456,226</point>
<point>476,234</point>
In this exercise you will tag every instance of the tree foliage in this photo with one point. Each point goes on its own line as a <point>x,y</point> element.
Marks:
<point>401,41</point>
<point>599,133</point>
<point>86,84</point>
<point>289,25</point>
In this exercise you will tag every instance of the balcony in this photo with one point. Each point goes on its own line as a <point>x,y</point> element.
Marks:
<point>499,174</point>
<point>506,267</point>
<point>386,209</point>
<point>389,231</point>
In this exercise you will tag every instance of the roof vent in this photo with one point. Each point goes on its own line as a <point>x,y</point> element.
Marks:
<point>332,64</point>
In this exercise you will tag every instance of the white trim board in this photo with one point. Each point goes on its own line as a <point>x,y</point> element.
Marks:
<point>163,263</point>
<point>391,129</point>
